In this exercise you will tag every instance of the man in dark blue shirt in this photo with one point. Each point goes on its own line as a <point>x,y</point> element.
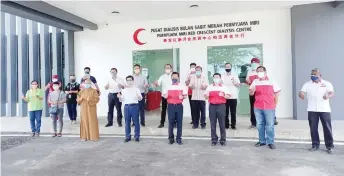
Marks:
<point>92,78</point>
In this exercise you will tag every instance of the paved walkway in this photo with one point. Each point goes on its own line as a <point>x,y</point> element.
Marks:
<point>46,156</point>
<point>286,129</point>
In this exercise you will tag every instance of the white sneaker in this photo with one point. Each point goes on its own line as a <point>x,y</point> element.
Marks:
<point>74,122</point>
<point>71,122</point>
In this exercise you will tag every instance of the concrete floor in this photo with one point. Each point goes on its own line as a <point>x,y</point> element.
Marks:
<point>67,156</point>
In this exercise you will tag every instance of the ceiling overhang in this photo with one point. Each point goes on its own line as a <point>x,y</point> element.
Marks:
<point>47,14</point>
<point>338,4</point>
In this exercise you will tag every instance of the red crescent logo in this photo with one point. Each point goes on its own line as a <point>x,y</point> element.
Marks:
<point>136,33</point>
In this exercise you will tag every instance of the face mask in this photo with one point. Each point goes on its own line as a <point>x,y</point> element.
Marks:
<point>228,70</point>
<point>174,81</point>
<point>137,71</point>
<point>113,74</point>
<point>216,80</point>
<point>314,78</point>
<point>198,73</point>
<point>34,86</point>
<point>87,86</point>
<point>254,66</point>
<point>72,80</point>
<point>261,74</point>
<point>87,72</point>
<point>192,69</point>
<point>168,71</point>
<point>130,83</point>
<point>54,80</point>
<point>56,87</point>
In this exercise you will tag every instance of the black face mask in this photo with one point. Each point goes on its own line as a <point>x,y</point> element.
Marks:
<point>228,70</point>
<point>87,72</point>
<point>72,80</point>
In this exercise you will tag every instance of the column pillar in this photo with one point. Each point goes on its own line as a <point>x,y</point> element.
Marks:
<point>3,68</point>
<point>56,51</point>
<point>11,65</point>
<point>23,60</point>
<point>33,51</point>
<point>45,63</point>
<point>174,56</point>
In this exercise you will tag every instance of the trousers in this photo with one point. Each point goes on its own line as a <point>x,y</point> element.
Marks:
<point>217,113</point>
<point>325,118</point>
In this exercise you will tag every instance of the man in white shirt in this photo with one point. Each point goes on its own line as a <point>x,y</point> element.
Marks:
<point>198,84</point>
<point>115,86</point>
<point>164,81</point>
<point>232,83</point>
<point>318,93</point>
<point>141,82</point>
<point>131,96</point>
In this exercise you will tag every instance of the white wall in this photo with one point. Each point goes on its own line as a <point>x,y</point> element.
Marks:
<point>112,46</point>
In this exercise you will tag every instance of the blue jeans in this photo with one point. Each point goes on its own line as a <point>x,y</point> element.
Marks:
<point>175,114</point>
<point>35,121</point>
<point>71,107</point>
<point>142,105</point>
<point>265,124</point>
<point>131,112</point>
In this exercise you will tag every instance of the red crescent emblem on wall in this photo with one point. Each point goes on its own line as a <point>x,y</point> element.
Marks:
<point>135,36</point>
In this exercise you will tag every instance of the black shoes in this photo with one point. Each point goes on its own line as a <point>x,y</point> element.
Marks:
<point>233,128</point>
<point>137,140</point>
<point>193,127</point>
<point>127,140</point>
<point>203,127</point>
<point>213,143</point>
<point>329,151</point>
<point>223,143</point>
<point>161,126</point>
<point>258,144</point>
<point>120,124</point>
<point>313,149</point>
<point>108,125</point>
<point>272,146</point>
<point>142,124</point>
<point>179,142</point>
<point>276,123</point>
<point>191,122</point>
<point>171,142</point>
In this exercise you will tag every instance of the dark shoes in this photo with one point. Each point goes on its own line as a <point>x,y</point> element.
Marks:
<point>213,143</point>
<point>179,142</point>
<point>161,126</point>
<point>120,124</point>
<point>272,146</point>
<point>171,141</point>
<point>142,124</point>
<point>33,134</point>
<point>329,151</point>
<point>127,140</point>
<point>54,135</point>
<point>203,127</point>
<point>223,143</point>
<point>276,123</point>
<point>258,144</point>
<point>233,128</point>
<point>252,126</point>
<point>313,149</point>
<point>137,140</point>
<point>193,127</point>
<point>191,122</point>
<point>108,125</point>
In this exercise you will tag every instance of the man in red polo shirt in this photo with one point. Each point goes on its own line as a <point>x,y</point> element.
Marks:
<point>175,95</point>
<point>266,94</point>
<point>217,95</point>
<point>187,82</point>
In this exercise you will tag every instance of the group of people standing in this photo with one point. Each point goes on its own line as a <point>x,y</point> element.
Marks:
<point>221,95</point>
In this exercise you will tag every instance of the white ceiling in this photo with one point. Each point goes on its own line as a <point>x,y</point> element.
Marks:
<point>100,11</point>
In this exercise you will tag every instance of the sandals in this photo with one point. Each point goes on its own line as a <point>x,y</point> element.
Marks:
<point>59,134</point>
<point>54,135</point>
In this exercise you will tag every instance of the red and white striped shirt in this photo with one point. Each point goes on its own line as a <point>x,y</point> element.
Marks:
<point>173,93</point>
<point>265,90</point>
<point>216,94</point>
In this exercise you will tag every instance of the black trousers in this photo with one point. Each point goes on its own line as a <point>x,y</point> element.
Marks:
<point>253,117</point>
<point>325,118</point>
<point>198,112</point>
<point>191,108</point>
<point>231,106</point>
<point>217,112</point>
<point>113,101</point>
<point>163,110</point>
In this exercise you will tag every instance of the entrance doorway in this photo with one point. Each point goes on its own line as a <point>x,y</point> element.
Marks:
<point>240,57</point>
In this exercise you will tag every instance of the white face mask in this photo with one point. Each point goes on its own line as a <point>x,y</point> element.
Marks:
<point>168,71</point>
<point>130,83</point>
<point>56,87</point>
<point>261,74</point>
<point>54,80</point>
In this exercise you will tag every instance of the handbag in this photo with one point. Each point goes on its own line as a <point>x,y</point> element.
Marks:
<point>53,109</point>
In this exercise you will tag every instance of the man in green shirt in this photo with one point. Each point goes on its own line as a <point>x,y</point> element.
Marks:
<point>34,98</point>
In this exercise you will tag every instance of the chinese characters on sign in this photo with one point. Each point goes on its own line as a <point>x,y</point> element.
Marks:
<point>195,38</point>
<point>220,31</point>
